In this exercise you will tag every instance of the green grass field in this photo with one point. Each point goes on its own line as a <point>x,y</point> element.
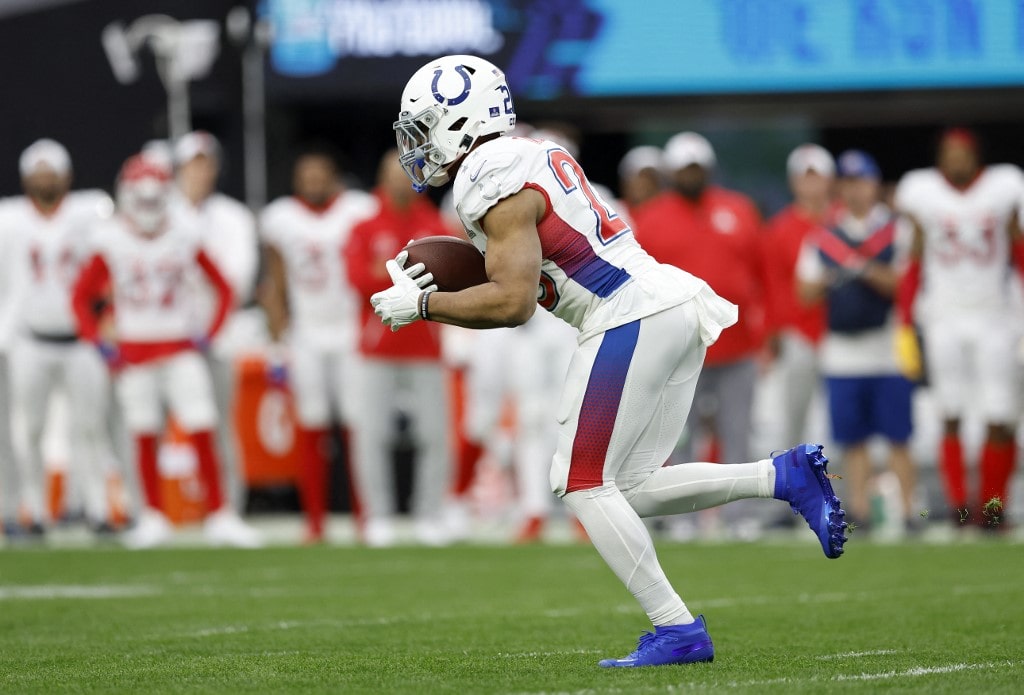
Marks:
<point>902,618</point>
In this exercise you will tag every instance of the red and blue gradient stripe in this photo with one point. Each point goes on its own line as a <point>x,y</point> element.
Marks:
<point>601,407</point>
<point>567,248</point>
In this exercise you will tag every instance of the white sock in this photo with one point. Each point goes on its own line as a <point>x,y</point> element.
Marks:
<point>688,487</point>
<point>623,541</point>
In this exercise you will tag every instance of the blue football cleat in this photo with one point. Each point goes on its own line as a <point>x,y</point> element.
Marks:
<point>801,478</point>
<point>669,644</point>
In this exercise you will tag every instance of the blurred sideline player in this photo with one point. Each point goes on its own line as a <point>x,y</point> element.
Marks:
<point>398,372</point>
<point>54,225</point>
<point>228,232</point>
<point>644,328</point>
<point>312,307</point>
<point>854,265</point>
<point>966,239</point>
<point>145,257</point>
<point>797,327</point>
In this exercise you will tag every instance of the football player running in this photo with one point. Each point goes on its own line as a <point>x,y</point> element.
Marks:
<point>644,328</point>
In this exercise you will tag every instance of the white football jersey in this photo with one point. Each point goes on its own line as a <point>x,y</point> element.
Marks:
<point>228,234</point>
<point>966,262</point>
<point>324,308</point>
<point>49,251</point>
<point>153,280</point>
<point>594,274</point>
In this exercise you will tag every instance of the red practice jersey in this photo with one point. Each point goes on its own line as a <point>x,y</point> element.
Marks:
<point>371,244</point>
<point>784,236</point>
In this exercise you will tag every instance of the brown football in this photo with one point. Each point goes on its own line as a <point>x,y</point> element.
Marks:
<point>455,263</point>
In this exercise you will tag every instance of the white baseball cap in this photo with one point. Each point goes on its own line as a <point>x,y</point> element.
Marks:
<point>688,148</point>
<point>810,157</point>
<point>45,153</point>
<point>640,158</point>
<point>194,144</point>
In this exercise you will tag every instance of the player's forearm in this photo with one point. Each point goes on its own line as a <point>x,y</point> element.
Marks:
<point>881,278</point>
<point>484,306</point>
<point>276,311</point>
<point>810,293</point>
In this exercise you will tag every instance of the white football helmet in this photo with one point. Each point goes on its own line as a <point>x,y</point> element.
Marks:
<point>143,194</point>
<point>447,105</point>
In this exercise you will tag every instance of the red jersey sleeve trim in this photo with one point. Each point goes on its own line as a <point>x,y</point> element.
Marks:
<point>224,295</point>
<point>1018,254</point>
<point>88,289</point>
<point>906,292</point>
<point>547,199</point>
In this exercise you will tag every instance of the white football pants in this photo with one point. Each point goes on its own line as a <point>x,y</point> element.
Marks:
<point>37,368</point>
<point>420,390</point>
<point>627,397</point>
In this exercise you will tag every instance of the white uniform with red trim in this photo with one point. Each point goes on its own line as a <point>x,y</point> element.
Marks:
<point>153,281</point>
<point>323,306</point>
<point>46,353</point>
<point>627,307</point>
<point>965,310</point>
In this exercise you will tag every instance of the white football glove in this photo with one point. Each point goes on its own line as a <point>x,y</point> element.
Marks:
<point>398,305</point>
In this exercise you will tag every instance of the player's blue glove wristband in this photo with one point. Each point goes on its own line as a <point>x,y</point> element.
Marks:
<point>201,343</point>
<point>109,352</point>
<point>277,374</point>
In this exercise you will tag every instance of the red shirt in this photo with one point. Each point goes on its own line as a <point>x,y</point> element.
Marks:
<point>370,245</point>
<point>785,234</point>
<point>717,238</point>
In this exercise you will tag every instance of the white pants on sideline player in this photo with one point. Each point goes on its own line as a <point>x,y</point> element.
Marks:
<point>724,400</point>
<point>420,389</point>
<point>180,381</point>
<point>9,477</point>
<point>321,382</point>
<point>639,400</point>
<point>972,359</point>
<point>37,369</point>
<point>224,381</point>
<point>801,379</point>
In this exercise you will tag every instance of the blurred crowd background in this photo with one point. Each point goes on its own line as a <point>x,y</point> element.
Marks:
<point>734,115</point>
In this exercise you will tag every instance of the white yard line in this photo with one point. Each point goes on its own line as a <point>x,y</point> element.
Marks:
<point>535,655</point>
<point>915,672</point>
<point>856,655</point>
<point>75,591</point>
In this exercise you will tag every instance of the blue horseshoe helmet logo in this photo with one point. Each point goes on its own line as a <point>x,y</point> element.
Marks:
<point>454,101</point>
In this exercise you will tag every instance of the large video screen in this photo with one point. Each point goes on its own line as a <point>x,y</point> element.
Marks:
<point>621,48</point>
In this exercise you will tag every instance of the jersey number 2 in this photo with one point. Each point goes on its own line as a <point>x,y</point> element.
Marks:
<point>569,175</point>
